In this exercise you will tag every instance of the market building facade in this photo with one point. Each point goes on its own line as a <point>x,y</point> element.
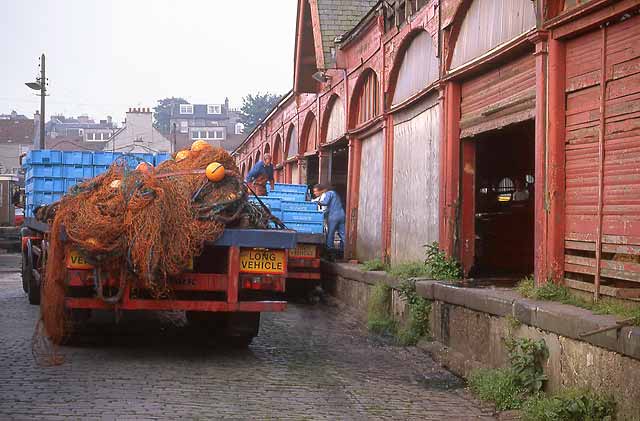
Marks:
<point>508,131</point>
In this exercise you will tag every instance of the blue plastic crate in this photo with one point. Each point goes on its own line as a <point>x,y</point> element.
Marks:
<point>77,171</point>
<point>44,170</point>
<point>105,158</point>
<point>44,156</point>
<point>271,202</point>
<point>77,158</point>
<point>288,205</point>
<point>161,157</point>
<point>99,169</point>
<point>42,184</point>
<point>40,198</point>
<point>293,197</point>
<point>290,188</point>
<point>308,228</point>
<point>70,182</point>
<point>300,216</point>
<point>134,159</point>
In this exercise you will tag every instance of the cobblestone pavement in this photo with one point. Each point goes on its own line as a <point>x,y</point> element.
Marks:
<point>311,362</point>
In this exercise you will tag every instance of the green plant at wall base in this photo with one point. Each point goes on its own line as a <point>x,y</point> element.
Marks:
<point>551,291</point>
<point>409,270</point>
<point>570,405</point>
<point>498,386</point>
<point>439,266</point>
<point>419,309</point>
<point>526,357</point>
<point>379,320</point>
<point>374,264</point>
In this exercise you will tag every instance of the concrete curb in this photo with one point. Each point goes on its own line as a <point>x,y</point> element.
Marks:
<point>561,319</point>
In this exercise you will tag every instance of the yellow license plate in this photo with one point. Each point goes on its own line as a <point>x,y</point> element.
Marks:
<point>75,260</point>
<point>262,261</point>
<point>303,250</point>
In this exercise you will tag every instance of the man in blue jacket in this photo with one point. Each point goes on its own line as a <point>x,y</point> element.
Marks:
<point>260,174</point>
<point>334,213</point>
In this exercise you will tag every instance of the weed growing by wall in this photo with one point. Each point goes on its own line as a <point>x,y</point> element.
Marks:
<point>439,265</point>
<point>419,309</point>
<point>569,405</point>
<point>379,319</point>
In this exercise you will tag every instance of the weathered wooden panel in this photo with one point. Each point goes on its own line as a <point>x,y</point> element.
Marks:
<point>418,68</point>
<point>292,142</point>
<point>336,123</point>
<point>369,240</point>
<point>415,183</point>
<point>603,155</point>
<point>311,133</point>
<point>499,97</point>
<point>489,24</point>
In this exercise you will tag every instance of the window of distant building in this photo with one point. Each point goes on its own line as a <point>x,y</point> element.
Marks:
<point>186,109</point>
<point>210,133</point>
<point>239,128</point>
<point>214,109</point>
<point>184,127</point>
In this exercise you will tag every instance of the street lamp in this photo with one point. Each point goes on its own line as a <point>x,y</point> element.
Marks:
<point>40,85</point>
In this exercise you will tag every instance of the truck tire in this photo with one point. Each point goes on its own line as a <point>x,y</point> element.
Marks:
<point>28,280</point>
<point>25,275</point>
<point>241,328</point>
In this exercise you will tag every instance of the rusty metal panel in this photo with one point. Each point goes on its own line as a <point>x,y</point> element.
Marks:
<point>336,123</point>
<point>418,69</point>
<point>369,235</point>
<point>415,182</point>
<point>499,97</point>
<point>489,24</point>
<point>603,156</point>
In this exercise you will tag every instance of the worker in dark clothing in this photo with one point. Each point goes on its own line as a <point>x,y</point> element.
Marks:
<point>334,213</point>
<point>260,174</point>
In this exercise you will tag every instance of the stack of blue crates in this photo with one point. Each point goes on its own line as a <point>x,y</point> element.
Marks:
<point>289,203</point>
<point>51,173</point>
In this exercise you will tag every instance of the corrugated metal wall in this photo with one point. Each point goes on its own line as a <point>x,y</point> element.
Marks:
<point>602,232</point>
<point>336,123</point>
<point>502,96</point>
<point>490,23</point>
<point>415,181</point>
<point>418,69</point>
<point>369,240</point>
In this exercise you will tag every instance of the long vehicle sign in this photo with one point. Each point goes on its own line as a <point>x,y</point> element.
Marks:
<point>263,261</point>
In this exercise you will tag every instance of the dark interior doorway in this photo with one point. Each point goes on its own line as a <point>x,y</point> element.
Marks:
<point>339,168</point>
<point>313,170</point>
<point>504,202</point>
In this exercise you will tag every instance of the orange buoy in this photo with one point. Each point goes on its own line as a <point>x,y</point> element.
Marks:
<point>182,155</point>
<point>200,145</point>
<point>144,167</point>
<point>215,172</point>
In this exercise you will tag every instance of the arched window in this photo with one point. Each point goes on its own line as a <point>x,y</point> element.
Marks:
<point>244,170</point>
<point>257,157</point>
<point>367,101</point>
<point>267,148</point>
<point>250,166</point>
<point>292,142</point>
<point>335,127</point>
<point>310,134</point>
<point>488,24</point>
<point>277,151</point>
<point>417,69</point>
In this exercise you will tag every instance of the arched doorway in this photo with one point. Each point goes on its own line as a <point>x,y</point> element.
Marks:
<point>310,172</point>
<point>277,158</point>
<point>291,154</point>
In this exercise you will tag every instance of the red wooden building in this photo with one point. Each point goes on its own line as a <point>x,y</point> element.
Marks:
<point>507,130</point>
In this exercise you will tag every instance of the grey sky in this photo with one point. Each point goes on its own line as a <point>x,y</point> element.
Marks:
<point>106,56</point>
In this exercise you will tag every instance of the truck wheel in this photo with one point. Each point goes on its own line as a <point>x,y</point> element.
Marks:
<point>242,328</point>
<point>28,280</point>
<point>25,274</point>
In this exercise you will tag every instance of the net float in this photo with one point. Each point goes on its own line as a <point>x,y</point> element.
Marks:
<point>115,184</point>
<point>215,172</point>
<point>182,155</point>
<point>144,167</point>
<point>200,145</point>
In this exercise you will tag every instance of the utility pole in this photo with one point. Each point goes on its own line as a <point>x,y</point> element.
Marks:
<point>40,85</point>
<point>43,92</point>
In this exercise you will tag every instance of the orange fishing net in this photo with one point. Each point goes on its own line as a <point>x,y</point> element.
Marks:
<point>141,227</point>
